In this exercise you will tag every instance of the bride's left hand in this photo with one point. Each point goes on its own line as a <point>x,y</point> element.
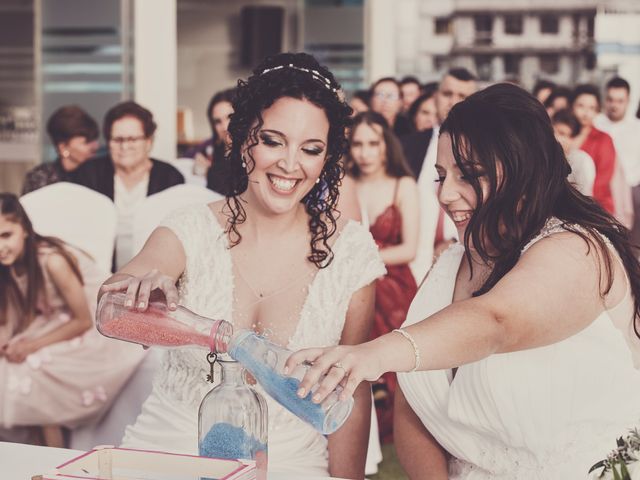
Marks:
<point>345,365</point>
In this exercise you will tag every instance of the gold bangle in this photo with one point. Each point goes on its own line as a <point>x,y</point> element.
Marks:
<point>416,350</point>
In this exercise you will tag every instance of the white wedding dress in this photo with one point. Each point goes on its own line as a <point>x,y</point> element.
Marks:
<point>545,413</point>
<point>169,418</point>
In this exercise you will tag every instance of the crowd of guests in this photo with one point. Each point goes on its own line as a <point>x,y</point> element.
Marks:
<point>395,174</point>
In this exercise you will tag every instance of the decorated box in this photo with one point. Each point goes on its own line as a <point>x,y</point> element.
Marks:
<point>127,464</point>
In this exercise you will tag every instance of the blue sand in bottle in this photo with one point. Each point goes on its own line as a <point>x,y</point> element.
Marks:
<point>228,441</point>
<point>283,389</point>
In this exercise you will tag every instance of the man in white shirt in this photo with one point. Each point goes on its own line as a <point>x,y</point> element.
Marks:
<point>456,85</point>
<point>625,131</point>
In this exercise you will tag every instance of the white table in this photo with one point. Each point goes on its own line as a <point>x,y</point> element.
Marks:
<point>21,462</point>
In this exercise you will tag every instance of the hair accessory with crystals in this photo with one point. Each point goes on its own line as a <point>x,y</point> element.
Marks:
<point>314,73</point>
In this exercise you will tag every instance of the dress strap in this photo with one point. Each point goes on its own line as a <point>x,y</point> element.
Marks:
<point>552,225</point>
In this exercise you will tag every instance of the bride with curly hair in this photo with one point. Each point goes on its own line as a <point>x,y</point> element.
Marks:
<point>274,256</point>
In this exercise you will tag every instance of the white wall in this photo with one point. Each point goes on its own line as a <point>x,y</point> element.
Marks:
<point>209,42</point>
<point>155,69</point>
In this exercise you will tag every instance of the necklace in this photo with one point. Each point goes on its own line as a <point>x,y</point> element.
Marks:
<point>260,296</point>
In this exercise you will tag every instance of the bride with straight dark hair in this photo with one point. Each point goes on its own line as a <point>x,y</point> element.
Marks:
<point>518,352</point>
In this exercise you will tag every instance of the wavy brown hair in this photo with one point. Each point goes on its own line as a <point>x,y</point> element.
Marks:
<point>396,163</point>
<point>10,295</point>
<point>504,128</point>
<point>253,96</point>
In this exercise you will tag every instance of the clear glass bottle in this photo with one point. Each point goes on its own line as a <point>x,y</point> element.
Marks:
<point>265,361</point>
<point>159,326</point>
<point>232,420</point>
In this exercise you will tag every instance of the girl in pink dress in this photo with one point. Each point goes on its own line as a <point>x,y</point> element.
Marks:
<point>55,369</point>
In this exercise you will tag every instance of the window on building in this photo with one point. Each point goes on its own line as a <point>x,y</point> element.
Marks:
<point>440,63</point>
<point>484,27</point>
<point>590,61</point>
<point>483,67</point>
<point>550,63</point>
<point>443,26</point>
<point>512,64</point>
<point>590,27</point>
<point>549,24</point>
<point>513,24</point>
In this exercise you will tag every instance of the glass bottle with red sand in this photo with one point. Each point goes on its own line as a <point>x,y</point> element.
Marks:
<point>159,326</point>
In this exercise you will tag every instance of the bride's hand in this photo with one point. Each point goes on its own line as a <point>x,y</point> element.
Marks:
<point>345,365</point>
<point>138,289</point>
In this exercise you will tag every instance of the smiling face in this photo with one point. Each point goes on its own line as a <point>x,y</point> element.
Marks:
<point>368,149</point>
<point>289,156</point>
<point>455,193</point>
<point>12,241</point>
<point>128,145</point>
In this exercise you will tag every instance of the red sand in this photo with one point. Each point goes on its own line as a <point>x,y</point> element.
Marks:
<point>151,328</point>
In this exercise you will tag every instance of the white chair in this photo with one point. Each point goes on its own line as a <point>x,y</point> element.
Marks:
<point>154,208</point>
<point>77,215</point>
<point>126,408</point>
<point>185,167</point>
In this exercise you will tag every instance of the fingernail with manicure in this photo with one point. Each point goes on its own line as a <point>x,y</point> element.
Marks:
<point>301,392</point>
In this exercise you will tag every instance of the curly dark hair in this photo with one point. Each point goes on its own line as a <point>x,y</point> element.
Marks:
<point>294,77</point>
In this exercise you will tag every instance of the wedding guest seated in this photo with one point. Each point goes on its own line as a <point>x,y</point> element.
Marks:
<point>209,156</point>
<point>583,172</point>
<point>56,370</point>
<point>411,89</point>
<point>423,113</point>
<point>585,104</point>
<point>359,101</point>
<point>542,89</point>
<point>127,174</point>
<point>558,99</point>
<point>74,135</point>
<point>386,99</point>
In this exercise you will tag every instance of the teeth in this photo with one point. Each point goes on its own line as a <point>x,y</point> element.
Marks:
<point>282,183</point>
<point>460,217</point>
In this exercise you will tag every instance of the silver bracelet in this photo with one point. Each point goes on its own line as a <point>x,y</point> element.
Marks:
<point>416,350</point>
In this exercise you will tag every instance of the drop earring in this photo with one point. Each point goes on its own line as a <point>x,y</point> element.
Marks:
<point>318,180</point>
<point>244,164</point>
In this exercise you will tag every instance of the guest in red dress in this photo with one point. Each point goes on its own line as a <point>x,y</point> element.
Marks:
<point>599,145</point>
<point>388,196</point>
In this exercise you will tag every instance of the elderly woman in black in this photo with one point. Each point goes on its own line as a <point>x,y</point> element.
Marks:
<point>127,174</point>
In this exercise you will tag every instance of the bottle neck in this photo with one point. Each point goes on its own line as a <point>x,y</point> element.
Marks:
<point>220,336</point>
<point>232,373</point>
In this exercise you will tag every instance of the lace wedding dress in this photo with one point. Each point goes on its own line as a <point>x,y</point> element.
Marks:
<point>545,413</point>
<point>169,418</point>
